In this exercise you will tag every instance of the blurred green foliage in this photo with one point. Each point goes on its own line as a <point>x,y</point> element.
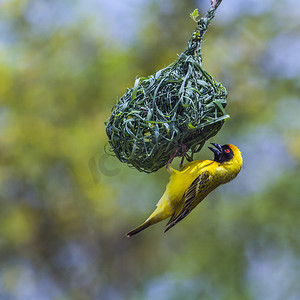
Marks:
<point>66,205</point>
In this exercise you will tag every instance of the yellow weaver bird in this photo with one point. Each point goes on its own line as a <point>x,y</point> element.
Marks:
<point>189,186</point>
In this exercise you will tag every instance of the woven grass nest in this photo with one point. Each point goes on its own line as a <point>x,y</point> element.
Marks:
<point>179,105</point>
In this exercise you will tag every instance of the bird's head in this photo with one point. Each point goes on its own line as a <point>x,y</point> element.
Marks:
<point>225,153</point>
<point>229,159</point>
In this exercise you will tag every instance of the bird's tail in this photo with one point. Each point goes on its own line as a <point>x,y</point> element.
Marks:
<point>136,230</point>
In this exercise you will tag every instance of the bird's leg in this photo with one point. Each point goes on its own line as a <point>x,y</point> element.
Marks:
<point>183,152</point>
<point>172,157</point>
<point>183,148</point>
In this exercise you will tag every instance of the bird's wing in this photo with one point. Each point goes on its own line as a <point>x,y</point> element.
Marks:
<point>191,198</point>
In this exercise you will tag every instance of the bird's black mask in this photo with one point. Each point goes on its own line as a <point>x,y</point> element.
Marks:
<point>222,153</point>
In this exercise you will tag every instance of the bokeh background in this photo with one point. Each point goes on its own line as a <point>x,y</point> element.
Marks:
<point>66,205</point>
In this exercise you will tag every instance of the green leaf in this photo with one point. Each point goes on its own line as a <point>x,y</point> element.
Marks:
<point>194,15</point>
<point>191,126</point>
<point>135,88</point>
<point>220,106</point>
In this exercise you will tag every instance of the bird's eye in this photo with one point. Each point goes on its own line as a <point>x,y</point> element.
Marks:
<point>227,151</point>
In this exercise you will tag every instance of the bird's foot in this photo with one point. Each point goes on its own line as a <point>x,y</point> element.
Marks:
<point>183,152</point>
<point>183,149</point>
<point>171,158</point>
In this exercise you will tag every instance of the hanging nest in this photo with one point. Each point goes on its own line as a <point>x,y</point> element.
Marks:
<point>181,104</point>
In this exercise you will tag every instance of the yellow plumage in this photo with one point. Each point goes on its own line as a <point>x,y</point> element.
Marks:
<point>189,186</point>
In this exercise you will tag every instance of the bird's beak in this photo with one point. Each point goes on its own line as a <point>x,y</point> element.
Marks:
<point>217,151</point>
